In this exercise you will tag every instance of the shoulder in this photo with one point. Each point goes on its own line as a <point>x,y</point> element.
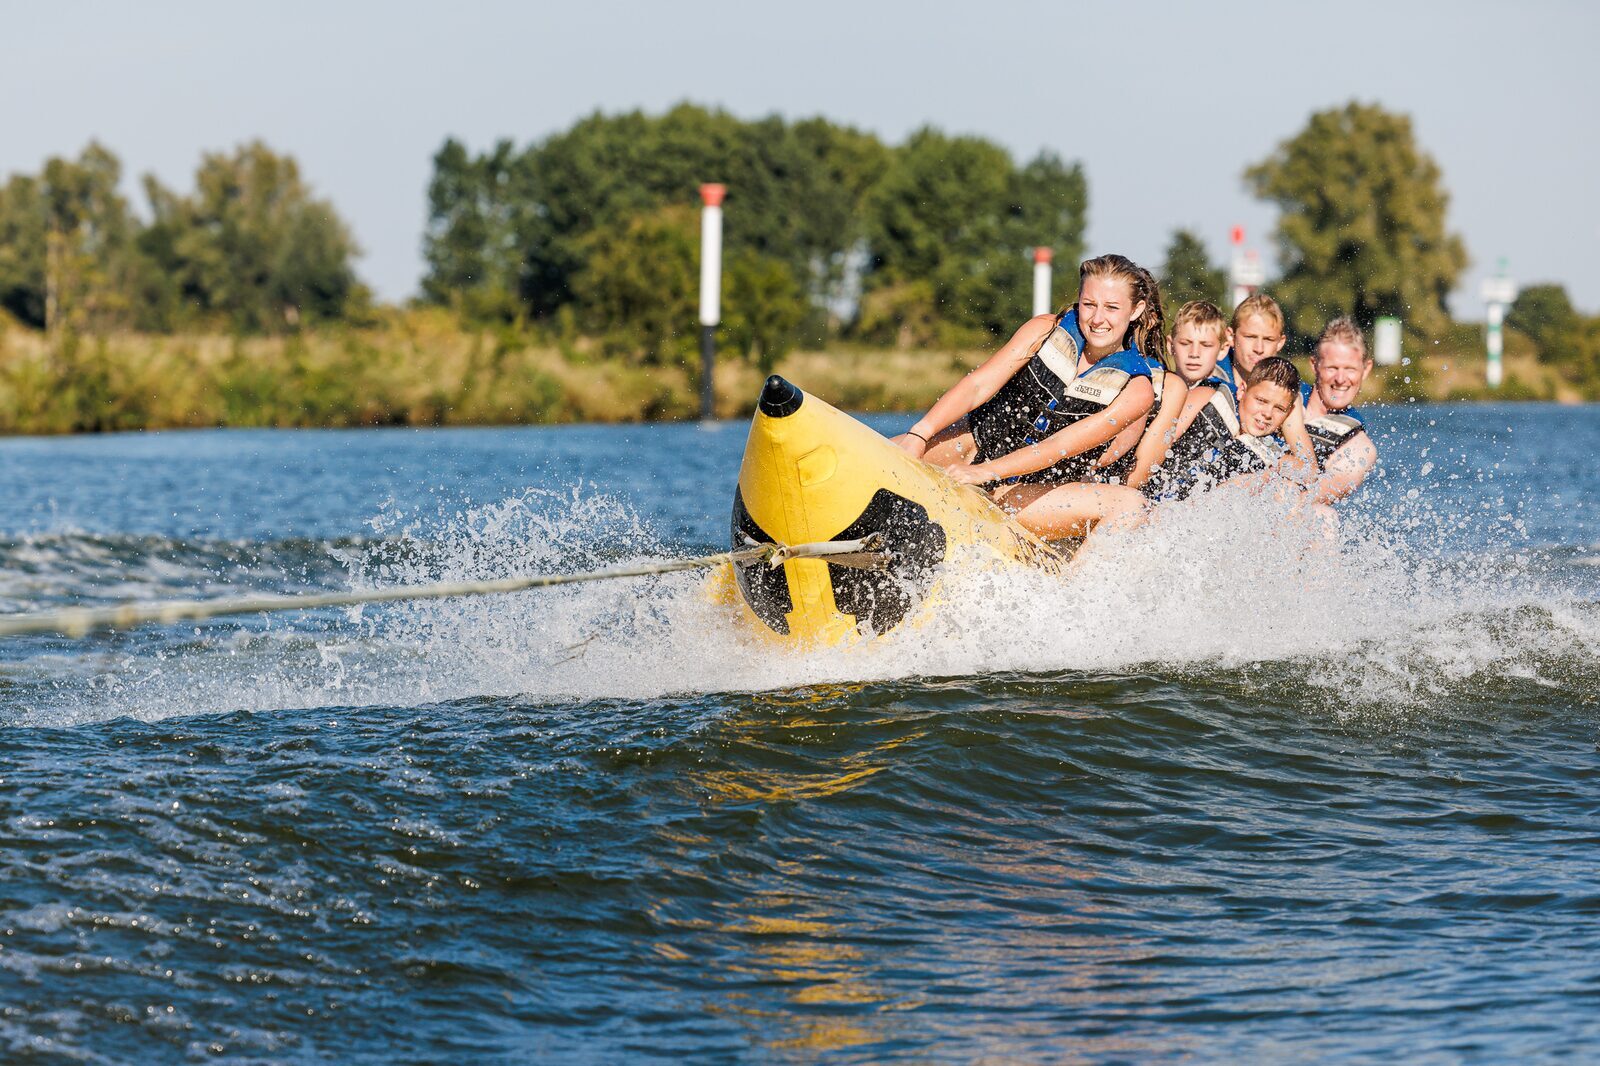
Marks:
<point>1037,326</point>
<point>1129,361</point>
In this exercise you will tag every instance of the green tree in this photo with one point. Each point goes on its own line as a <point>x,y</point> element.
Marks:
<point>67,254</point>
<point>1362,223</point>
<point>795,194</point>
<point>477,233</point>
<point>1546,316</point>
<point>1048,207</point>
<point>24,224</point>
<point>764,307</point>
<point>1188,274</point>
<point>639,284</point>
<point>252,244</point>
<point>952,223</point>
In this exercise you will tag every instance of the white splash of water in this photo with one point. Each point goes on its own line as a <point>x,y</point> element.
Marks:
<point>1219,582</point>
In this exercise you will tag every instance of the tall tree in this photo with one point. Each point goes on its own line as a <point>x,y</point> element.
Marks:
<point>1362,223</point>
<point>252,244</point>
<point>638,284</point>
<point>952,222</point>
<point>67,257</point>
<point>827,202</point>
<point>1048,207</point>
<point>1188,274</point>
<point>478,230</point>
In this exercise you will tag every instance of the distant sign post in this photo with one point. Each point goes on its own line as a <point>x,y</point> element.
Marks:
<point>1245,272</point>
<point>710,291</point>
<point>1498,292</point>
<point>1386,341</point>
<point>1041,280</point>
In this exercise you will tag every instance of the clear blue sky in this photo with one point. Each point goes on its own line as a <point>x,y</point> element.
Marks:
<point>1506,98</point>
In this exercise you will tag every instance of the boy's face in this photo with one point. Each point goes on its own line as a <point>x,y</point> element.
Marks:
<point>1263,407</point>
<point>1255,339</point>
<point>1340,369</point>
<point>1195,350</point>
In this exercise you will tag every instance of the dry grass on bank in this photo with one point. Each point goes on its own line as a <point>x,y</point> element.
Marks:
<point>422,368</point>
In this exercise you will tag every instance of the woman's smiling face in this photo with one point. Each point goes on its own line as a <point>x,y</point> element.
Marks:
<point>1105,307</point>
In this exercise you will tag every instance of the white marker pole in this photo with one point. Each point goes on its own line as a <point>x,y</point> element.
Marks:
<point>710,291</point>
<point>1041,280</point>
<point>1498,293</point>
<point>1494,373</point>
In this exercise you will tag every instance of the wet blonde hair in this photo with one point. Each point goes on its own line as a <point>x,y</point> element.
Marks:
<point>1342,330</point>
<point>1200,314</point>
<point>1259,304</point>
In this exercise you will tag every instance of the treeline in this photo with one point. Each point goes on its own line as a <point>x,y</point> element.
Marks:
<point>586,242</point>
<point>829,232</point>
<point>250,249</point>
<point>1362,231</point>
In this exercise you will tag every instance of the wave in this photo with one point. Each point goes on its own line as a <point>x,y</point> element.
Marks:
<point>79,568</point>
<point>1371,615</point>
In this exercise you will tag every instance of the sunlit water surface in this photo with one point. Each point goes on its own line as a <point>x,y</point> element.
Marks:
<point>1231,790</point>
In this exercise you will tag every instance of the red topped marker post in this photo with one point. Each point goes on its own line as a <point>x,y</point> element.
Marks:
<point>1245,272</point>
<point>710,291</point>
<point>1041,280</point>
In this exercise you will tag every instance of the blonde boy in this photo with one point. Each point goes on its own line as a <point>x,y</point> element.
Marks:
<point>1257,334</point>
<point>1198,339</point>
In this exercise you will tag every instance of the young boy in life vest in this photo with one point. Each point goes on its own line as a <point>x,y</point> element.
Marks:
<point>1199,336</point>
<point>1257,333</point>
<point>1269,408</point>
<point>1340,365</point>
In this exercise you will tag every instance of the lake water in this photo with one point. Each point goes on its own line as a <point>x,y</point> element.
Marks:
<point>1229,791</point>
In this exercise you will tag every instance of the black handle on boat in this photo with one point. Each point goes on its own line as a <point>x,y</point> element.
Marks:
<point>779,399</point>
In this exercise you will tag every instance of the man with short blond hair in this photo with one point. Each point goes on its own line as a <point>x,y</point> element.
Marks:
<point>1340,365</point>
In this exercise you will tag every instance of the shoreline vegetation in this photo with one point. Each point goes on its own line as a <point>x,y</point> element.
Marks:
<point>561,276</point>
<point>425,367</point>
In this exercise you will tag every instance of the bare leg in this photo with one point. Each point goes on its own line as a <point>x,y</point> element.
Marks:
<point>1072,510</point>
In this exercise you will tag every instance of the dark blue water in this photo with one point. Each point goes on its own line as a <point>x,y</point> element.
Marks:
<point>1231,790</point>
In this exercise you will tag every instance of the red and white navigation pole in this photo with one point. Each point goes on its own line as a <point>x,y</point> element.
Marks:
<point>1245,272</point>
<point>710,291</point>
<point>1041,280</point>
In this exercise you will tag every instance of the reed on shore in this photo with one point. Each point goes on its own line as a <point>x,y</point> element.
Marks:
<point>424,368</point>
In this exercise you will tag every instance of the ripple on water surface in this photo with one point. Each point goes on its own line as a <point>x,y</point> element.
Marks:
<point>1232,791</point>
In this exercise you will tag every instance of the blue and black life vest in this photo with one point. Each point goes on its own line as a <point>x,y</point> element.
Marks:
<point>1332,430</point>
<point>1212,449</point>
<point>1047,395</point>
<point>1117,472</point>
<point>1224,370</point>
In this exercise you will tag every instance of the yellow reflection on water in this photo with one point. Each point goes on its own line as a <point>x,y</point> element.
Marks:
<point>814,969</point>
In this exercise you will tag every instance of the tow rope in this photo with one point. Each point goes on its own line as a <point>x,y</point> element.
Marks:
<point>865,554</point>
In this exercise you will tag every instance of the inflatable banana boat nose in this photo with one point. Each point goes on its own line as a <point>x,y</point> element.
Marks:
<point>812,473</point>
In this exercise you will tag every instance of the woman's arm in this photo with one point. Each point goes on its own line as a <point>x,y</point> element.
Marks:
<point>1163,430</point>
<point>979,385</point>
<point>1134,403</point>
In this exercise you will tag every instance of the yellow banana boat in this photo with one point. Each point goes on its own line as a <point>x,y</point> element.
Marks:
<point>811,474</point>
